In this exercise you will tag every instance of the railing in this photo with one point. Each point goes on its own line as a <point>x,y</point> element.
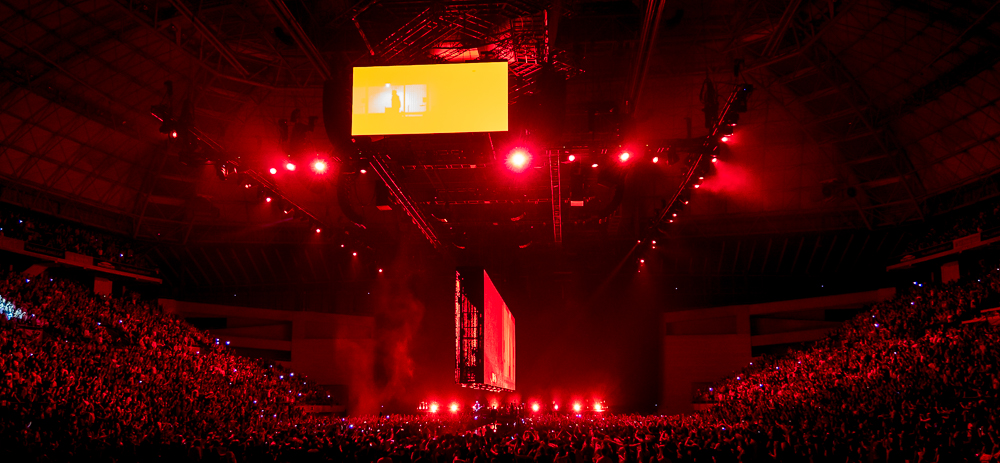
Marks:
<point>955,246</point>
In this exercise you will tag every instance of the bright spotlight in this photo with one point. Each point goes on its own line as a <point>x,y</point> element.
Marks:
<point>571,158</point>
<point>173,134</point>
<point>354,254</point>
<point>379,270</point>
<point>363,171</point>
<point>318,230</point>
<point>724,139</point>
<point>319,166</point>
<point>598,408</point>
<point>594,165</point>
<point>453,407</point>
<point>714,160</point>
<point>556,407</point>
<point>534,407</point>
<point>656,159</point>
<point>273,171</point>
<point>624,156</point>
<point>289,166</point>
<point>577,407</point>
<point>518,160</point>
<point>267,199</point>
<point>433,408</point>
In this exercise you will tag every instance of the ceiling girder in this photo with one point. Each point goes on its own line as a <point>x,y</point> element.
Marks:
<point>211,36</point>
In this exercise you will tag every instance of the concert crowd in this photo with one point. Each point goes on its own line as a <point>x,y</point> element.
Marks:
<point>93,378</point>
<point>986,218</point>
<point>63,236</point>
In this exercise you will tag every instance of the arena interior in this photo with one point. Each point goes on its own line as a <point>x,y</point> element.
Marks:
<point>725,231</point>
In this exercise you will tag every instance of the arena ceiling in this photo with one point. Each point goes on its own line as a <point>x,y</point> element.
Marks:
<point>865,114</point>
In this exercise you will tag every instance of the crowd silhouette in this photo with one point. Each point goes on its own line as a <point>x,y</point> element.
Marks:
<point>982,218</point>
<point>63,236</point>
<point>95,378</point>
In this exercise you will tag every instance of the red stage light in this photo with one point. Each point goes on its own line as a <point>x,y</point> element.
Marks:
<point>714,160</point>
<point>656,159</point>
<point>273,171</point>
<point>433,408</point>
<point>642,261</point>
<point>363,171</point>
<point>598,408</point>
<point>453,407</point>
<point>577,407</point>
<point>318,230</point>
<point>724,139</point>
<point>696,185</point>
<point>624,156</point>
<point>267,199</point>
<point>173,134</point>
<point>290,166</point>
<point>518,160</point>
<point>594,165</point>
<point>319,166</point>
<point>379,270</point>
<point>354,254</point>
<point>534,407</point>
<point>571,158</point>
<point>556,407</point>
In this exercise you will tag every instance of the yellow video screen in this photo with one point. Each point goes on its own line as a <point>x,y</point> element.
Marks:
<point>430,98</point>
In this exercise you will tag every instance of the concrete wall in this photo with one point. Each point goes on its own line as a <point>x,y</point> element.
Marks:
<point>330,349</point>
<point>705,345</point>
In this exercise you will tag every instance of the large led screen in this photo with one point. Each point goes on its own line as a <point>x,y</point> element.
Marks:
<point>484,333</point>
<point>431,98</point>
<point>498,364</point>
